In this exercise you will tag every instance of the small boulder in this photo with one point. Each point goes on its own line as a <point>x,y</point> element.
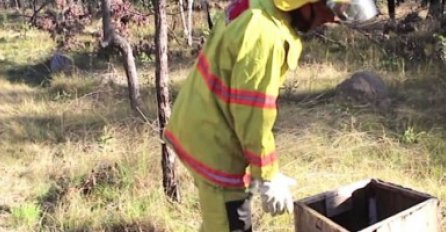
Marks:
<point>59,62</point>
<point>364,87</point>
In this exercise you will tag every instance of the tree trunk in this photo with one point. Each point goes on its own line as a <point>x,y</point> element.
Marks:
<point>190,4</point>
<point>130,70</point>
<point>391,8</point>
<point>207,12</point>
<point>34,17</point>
<point>170,183</point>
<point>435,8</point>
<point>442,6</point>
<point>183,19</point>
<point>111,38</point>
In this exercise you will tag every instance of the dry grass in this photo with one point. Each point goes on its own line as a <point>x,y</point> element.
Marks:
<point>74,158</point>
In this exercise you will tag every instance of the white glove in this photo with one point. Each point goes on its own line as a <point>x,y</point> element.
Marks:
<point>275,194</point>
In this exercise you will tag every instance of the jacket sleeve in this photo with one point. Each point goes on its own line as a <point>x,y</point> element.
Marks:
<point>255,81</point>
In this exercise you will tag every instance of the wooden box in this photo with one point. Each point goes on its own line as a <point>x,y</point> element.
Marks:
<point>368,206</point>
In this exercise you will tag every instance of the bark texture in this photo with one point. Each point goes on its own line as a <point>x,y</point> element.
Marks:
<point>111,38</point>
<point>170,182</point>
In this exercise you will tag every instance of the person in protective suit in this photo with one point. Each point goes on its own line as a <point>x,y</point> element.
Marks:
<point>222,120</point>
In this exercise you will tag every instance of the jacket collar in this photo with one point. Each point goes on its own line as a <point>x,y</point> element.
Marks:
<point>283,21</point>
<point>279,17</point>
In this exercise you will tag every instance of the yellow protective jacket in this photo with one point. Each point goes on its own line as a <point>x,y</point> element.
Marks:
<point>223,117</point>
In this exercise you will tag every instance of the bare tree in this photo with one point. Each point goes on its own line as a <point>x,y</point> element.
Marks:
<point>443,3</point>
<point>170,183</point>
<point>16,4</point>
<point>435,8</point>
<point>183,18</point>
<point>391,8</point>
<point>207,12</point>
<point>113,39</point>
<point>190,4</point>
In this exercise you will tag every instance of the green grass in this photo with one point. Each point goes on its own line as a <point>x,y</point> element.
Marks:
<point>26,215</point>
<point>56,138</point>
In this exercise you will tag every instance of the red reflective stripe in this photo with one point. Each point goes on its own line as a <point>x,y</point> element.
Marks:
<point>260,161</point>
<point>236,180</point>
<point>232,95</point>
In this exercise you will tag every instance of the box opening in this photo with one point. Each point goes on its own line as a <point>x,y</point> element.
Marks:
<point>359,208</point>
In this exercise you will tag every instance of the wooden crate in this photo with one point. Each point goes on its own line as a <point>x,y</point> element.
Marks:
<point>368,206</point>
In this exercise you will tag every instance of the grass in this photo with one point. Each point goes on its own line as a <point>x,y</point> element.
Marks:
<point>74,158</point>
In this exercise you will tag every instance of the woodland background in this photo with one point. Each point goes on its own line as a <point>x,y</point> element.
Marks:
<point>85,87</point>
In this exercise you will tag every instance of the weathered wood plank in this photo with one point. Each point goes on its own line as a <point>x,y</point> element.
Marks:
<point>309,220</point>
<point>422,217</point>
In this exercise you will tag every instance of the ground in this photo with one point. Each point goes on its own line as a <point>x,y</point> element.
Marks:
<point>74,157</point>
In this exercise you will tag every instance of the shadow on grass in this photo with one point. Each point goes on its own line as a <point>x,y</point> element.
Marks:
<point>110,103</point>
<point>416,115</point>
<point>93,62</point>
<point>39,74</point>
<point>421,100</point>
<point>100,62</point>
<point>11,16</point>
<point>48,129</point>
<point>14,97</point>
<point>33,75</point>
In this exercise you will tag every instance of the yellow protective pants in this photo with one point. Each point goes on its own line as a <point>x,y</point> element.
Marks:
<point>224,210</point>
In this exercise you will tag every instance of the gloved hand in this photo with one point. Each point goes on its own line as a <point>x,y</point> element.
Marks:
<point>275,194</point>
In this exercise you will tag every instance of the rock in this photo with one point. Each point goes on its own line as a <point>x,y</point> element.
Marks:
<point>61,63</point>
<point>364,87</point>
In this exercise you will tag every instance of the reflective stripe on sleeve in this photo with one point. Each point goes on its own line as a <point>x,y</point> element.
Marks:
<point>260,161</point>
